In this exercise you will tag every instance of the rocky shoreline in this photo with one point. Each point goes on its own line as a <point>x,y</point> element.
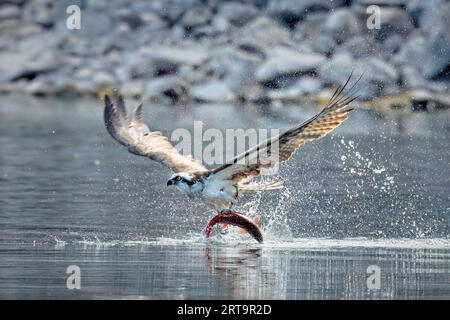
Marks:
<point>178,51</point>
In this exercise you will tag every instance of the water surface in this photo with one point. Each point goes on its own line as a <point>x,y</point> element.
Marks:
<point>369,194</point>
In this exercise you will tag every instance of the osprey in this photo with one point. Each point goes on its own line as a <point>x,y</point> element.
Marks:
<point>220,187</point>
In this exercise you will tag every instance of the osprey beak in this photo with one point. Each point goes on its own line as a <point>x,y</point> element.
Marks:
<point>170,182</point>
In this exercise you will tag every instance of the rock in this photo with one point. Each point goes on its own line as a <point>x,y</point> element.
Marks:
<point>170,87</point>
<point>393,20</point>
<point>173,10</point>
<point>234,67</point>
<point>237,13</point>
<point>96,24</point>
<point>9,11</point>
<point>42,12</point>
<point>342,24</point>
<point>379,78</point>
<point>103,79</point>
<point>132,19</point>
<point>196,17</point>
<point>154,61</point>
<point>391,46</point>
<point>430,53</point>
<point>212,91</point>
<point>295,92</point>
<point>132,89</point>
<point>285,63</point>
<point>310,27</point>
<point>322,44</point>
<point>360,47</point>
<point>261,34</point>
<point>30,58</point>
<point>289,12</point>
<point>398,3</point>
<point>424,14</point>
<point>193,55</point>
<point>411,78</point>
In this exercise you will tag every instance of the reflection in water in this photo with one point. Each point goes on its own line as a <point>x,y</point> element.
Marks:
<point>203,272</point>
<point>62,177</point>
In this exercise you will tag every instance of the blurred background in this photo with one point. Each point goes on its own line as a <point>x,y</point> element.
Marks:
<point>179,51</point>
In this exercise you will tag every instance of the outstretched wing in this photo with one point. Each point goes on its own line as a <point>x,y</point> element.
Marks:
<point>136,136</point>
<point>280,148</point>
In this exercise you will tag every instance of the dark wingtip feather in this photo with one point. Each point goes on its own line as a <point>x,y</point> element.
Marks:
<point>120,103</point>
<point>107,99</point>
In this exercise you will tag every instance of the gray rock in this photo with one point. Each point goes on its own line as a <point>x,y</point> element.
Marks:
<point>154,61</point>
<point>29,58</point>
<point>291,11</point>
<point>322,44</point>
<point>430,53</point>
<point>9,11</point>
<point>212,91</point>
<point>103,79</point>
<point>382,2</point>
<point>379,78</point>
<point>296,91</point>
<point>391,46</point>
<point>342,24</point>
<point>193,55</point>
<point>393,20</point>
<point>360,47</point>
<point>261,34</point>
<point>235,67</point>
<point>436,54</point>
<point>42,12</point>
<point>411,78</point>
<point>196,17</point>
<point>170,87</point>
<point>237,13</point>
<point>425,14</point>
<point>310,27</point>
<point>173,10</point>
<point>286,62</point>
<point>96,24</point>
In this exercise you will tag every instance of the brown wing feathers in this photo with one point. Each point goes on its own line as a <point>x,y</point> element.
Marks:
<point>331,116</point>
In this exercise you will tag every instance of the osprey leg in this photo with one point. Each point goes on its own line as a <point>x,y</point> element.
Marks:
<point>237,220</point>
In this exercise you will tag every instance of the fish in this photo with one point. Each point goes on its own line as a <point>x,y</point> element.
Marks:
<point>238,220</point>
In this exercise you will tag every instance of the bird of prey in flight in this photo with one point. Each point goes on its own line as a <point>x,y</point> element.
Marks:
<point>220,187</point>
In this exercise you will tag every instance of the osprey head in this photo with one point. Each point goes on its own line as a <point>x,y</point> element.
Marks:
<point>184,181</point>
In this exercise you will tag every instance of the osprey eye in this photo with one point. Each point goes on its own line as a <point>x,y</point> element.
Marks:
<point>178,178</point>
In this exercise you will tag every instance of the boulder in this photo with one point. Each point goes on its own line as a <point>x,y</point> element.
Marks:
<point>9,11</point>
<point>32,56</point>
<point>261,34</point>
<point>171,87</point>
<point>237,13</point>
<point>303,86</point>
<point>212,91</point>
<point>360,46</point>
<point>429,52</point>
<point>379,78</point>
<point>289,12</point>
<point>425,14</point>
<point>42,12</point>
<point>393,20</point>
<point>342,24</point>
<point>285,62</point>
<point>233,66</point>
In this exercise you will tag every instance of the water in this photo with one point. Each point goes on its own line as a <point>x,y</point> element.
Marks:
<point>373,193</point>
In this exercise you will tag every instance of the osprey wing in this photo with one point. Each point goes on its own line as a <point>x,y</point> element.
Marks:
<point>280,148</point>
<point>140,140</point>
